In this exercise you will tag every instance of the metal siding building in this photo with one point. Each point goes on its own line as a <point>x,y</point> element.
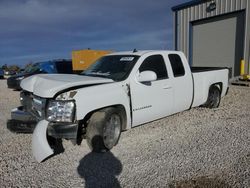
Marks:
<point>214,33</point>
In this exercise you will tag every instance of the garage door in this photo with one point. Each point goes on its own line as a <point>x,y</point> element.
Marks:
<point>218,42</point>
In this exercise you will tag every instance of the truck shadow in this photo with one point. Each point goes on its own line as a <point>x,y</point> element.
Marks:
<point>100,170</point>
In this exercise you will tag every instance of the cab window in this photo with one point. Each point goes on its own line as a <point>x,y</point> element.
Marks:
<point>155,63</point>
<point>177,65</point>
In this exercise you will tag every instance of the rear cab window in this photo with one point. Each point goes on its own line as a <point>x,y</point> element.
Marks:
<point>177,65</point>
<point>156,64</point>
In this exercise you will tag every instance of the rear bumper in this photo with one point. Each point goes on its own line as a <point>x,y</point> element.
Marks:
<point>21,121</point>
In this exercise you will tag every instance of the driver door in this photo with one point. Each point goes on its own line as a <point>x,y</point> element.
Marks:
<point>151,100</point>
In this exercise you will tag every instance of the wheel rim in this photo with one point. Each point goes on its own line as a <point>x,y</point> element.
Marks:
<point>112,131</point>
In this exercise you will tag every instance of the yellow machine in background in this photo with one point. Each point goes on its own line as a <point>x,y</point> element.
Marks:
<point>244,78</point>
<point>82,59</point>
<point>242,71</point>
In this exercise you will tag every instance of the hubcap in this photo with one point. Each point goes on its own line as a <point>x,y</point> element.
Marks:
<point>112,130</point>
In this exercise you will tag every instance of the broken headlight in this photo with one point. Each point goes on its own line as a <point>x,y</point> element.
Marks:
<point>60,111</point>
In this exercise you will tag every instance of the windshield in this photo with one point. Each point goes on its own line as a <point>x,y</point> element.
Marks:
<point>115,67</point>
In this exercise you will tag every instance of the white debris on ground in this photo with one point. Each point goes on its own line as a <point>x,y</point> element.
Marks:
<point>196,148</point>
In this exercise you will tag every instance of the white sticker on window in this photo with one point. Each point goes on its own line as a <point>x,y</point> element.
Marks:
<point>127,59</point>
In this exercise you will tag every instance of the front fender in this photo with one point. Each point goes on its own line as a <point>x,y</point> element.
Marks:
<point>92,98</point>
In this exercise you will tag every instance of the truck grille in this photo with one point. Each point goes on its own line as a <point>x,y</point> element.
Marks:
<point>33,104</point>
<point>38,107</point>
<point>26,100</point>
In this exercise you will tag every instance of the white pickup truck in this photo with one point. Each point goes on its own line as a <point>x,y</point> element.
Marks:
<point>120,91</point>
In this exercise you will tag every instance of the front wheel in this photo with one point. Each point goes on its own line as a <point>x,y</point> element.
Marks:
<point>104,129</point>
<point>214,97</point>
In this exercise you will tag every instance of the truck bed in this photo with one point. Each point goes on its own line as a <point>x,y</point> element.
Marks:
<point>205,69</point>
<point>203,78</point>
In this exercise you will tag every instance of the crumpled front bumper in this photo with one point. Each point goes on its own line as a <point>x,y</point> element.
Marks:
<point>21,115</point>
<point>21,121</point>
<point>40,146</point>
<point>45,132</point>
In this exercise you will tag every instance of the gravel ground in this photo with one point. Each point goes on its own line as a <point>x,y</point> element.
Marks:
<point>196,148</point>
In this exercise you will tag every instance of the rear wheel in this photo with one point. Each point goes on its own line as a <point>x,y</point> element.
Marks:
<point>214,97</point>
<point>104,129</point>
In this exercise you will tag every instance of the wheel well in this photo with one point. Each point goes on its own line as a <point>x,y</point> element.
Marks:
<point>119,106</point>
<point>219,85</point>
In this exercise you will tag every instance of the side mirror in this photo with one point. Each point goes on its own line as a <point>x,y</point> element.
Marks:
<point>147,76</point>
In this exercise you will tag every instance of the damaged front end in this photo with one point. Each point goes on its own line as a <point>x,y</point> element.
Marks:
<point>56,122</point>
<point>40,145</point>
<point>22,120</point>
<point>50,120</point>
<point>46,139</point>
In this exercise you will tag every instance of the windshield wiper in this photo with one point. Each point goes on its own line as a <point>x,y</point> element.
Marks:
<point>96,74</point>
<point>100,73</point>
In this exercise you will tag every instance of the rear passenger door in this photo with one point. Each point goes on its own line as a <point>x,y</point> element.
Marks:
<point>151,100</point>
<point>183,82</point>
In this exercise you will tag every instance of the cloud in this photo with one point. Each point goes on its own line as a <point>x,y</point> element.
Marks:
<point>141,41</point>
<point>55,27</point>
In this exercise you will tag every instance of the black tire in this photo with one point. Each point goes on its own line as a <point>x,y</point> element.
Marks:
<point>104,129</point>
<point>214,97</point>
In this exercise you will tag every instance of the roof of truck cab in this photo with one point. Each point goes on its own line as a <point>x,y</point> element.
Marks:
<point>141,52</point>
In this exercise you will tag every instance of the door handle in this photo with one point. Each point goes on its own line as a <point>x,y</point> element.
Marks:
<point>167,87</point>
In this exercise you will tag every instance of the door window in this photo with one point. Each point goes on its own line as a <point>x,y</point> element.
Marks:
<point>155,63</point>
<point>177,65</point>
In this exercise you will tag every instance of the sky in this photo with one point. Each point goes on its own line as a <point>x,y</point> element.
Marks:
<point>40,30</point>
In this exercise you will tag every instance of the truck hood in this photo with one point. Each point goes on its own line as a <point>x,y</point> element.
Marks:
<point>47,85</point>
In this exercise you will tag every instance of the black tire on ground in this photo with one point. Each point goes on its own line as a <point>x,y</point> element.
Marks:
<point>104,129</point>
<point>214,97</point>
